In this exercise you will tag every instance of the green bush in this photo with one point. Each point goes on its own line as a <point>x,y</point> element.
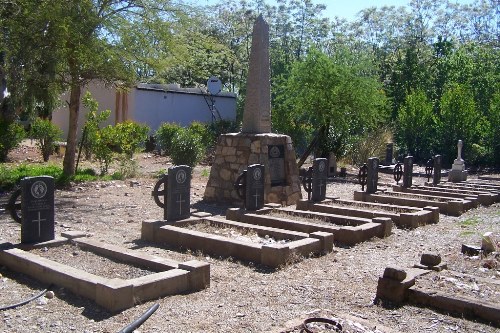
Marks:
<point>45,133</point>
<point>130,137</point>
<point>165,134</point>
<point>186,148</point>
<point>11,135</point>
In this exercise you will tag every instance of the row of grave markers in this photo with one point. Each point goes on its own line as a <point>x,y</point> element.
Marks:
<point>432,169</point>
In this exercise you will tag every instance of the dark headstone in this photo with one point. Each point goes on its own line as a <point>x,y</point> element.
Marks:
<point>178,191</point>
<point>471,250</point>
<point>332,165</point>
<point>372,175</point>
<point>254,191</point>
<point>408,171</point>
<point>319,178</point>
<point>276,156</point>
<point>389,153</point>
<point>37,209</point>
<point>437,170</point>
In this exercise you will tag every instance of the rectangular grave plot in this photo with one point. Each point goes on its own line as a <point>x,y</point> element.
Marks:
<point>161,278</point>
<point>403,217</point>
<point>459,294</point>
<point>358,230</point>
<point>263,245</point>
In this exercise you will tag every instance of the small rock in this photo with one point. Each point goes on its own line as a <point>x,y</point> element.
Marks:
<point>240,315</point>
<point>49,294</point>
<point>489,264</point>
<point>42,301</point>
<point>430,259</point>
<point>488,243</point>
<point>395,273</point>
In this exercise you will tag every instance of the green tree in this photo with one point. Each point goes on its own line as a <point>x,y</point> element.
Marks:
<point>340,94</point>
<point>460,121</point>
<point>417,126</point>
<point>69,44</point>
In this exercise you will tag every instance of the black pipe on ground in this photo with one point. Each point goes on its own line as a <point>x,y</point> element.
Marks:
<point>139,321</point>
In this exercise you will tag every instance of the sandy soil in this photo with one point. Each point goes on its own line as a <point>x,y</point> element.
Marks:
<point>242,297</point>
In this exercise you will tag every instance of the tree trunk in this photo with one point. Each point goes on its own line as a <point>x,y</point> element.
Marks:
<point>74,108</point>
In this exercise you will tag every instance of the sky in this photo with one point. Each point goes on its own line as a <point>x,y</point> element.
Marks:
<point>345,8</point>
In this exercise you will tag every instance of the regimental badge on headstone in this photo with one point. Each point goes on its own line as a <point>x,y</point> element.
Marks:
<point>372,175</point>
<point>276,158</point>
<point>254,191</point>
<point>408,171</point>
<point>319,179</point>
<point>437,170</point>
<point>178,193</point>
<point>37,209</point>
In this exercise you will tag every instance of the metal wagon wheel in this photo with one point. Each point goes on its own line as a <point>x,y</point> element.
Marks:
<point>398,172</point>
<point>363,175</point>
<point>14,205</point>
<point>158,192</point>
<point>240,185</point>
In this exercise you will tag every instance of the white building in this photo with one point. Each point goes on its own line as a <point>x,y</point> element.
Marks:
<point>152,105</point>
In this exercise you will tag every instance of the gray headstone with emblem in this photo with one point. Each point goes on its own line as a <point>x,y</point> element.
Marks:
<point>254,190</point>
<point>436,177</point>
<point>319,178</point>
<point>276,157</point>
<point>37,209</point>
<point>178,200</point>
<point>408,171</point>
<point>372,175</point>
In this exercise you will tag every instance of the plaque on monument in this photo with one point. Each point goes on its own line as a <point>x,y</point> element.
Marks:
<point>276,155</point>
<point>254,190</point>
<point>372,175</point>
<point>178,193</point>
<point>408,171</point>
<point>437,170</point>
<point>37,209</point>
<point>319,178</point>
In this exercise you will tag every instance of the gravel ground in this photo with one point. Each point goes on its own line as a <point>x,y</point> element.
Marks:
<point>242,297</point>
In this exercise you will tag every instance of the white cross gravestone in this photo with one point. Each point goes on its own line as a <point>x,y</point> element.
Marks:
<point>37,209</point>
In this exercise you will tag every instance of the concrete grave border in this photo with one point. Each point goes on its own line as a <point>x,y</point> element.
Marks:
<point>405,291</point>
<point>112,294</point>
<point>272,255</point>
<point>412,218</point>
<point>475,197</point>
<point>345,229</point>
<point>448,206</point>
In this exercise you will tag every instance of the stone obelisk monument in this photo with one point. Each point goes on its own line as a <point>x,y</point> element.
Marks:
<point>256,143</point>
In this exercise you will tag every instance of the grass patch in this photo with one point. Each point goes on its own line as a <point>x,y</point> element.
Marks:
<point>205,173</point>
<point>11,176</point>
<point>469,222</point>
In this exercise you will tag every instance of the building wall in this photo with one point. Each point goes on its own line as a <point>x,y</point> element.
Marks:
<point>150,105</point>
<point>154,107</point>
<point>104,95</point>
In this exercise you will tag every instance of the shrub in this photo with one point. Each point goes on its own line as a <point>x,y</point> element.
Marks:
<point>371,144</point>
<point>165,134</point>
<point>221,127</point>
<point>11,135</point>
<point>45,133</point>
<point>186,148</point>
<point>130,137</point>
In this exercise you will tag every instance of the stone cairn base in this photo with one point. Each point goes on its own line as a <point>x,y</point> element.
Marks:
<point>235,151</point>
